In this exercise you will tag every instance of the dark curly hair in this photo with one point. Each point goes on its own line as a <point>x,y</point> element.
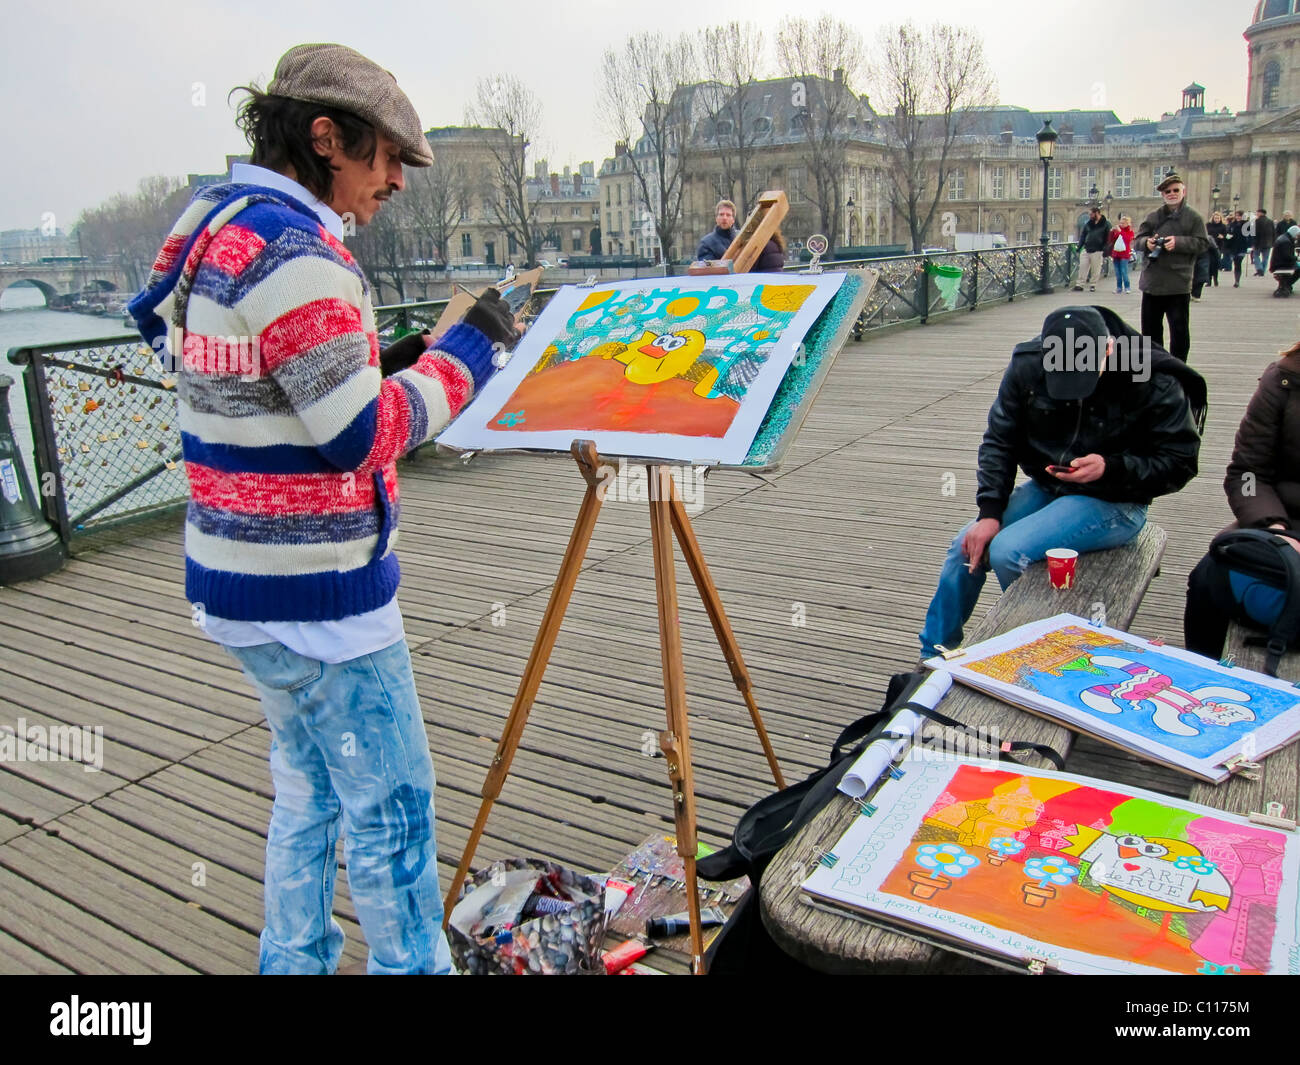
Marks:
<point>278,129</point>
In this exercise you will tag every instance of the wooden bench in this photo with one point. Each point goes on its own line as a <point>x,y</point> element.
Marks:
<point>1115,579</point>
<point>1279,775</point>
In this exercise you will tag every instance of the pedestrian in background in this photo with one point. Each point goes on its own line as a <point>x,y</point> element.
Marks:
<point>1238,245</point>
<point>1217,230</point>
<point>1092,245</point>
<point>1283,263</point>
<point>714,244</point>
<point>1173,237</point>
<point>1121,252</point>
<point>1265,235</point>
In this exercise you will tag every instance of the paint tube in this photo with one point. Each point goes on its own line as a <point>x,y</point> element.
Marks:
<point>617,892</point>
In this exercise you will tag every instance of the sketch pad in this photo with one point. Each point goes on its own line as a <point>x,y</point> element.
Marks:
<point>1078,875</point>
<point>1163,703</point>
<point>680,369</point>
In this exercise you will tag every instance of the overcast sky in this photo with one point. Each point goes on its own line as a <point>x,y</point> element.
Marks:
<point>99,95</point>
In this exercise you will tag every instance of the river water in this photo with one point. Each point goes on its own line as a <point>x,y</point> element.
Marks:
<point>23,321</point>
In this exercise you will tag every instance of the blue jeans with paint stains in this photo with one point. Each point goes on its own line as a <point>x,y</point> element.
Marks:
<point>348,751</point>
<point>1034,522</point>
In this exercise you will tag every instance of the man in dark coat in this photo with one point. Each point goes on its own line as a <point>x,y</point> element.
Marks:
<point>715,244</point>
<point>1265,235</point>
<point>1173,237</point>
<point>1092,248</point>
<point>1283,263</point>
<point>1102,422</point>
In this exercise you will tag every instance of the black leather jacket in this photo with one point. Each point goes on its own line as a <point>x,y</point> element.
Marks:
<point>1147,431</point>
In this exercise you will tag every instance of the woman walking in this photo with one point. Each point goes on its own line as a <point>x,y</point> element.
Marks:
<point>1121,252</point>
<point>1238,245</point>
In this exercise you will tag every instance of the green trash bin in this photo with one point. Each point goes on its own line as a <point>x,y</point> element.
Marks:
<point>947,279</point>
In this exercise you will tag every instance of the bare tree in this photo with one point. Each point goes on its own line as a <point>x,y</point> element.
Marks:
<point>931,81</point>
<point>732,59</point>
<point>512,117</point>
<point>384,248</point>
<point>130,228</point>
<point>436,198</point>
<point>827,56</point>
<point>646,102</point>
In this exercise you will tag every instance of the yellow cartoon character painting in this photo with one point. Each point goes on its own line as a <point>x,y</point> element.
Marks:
<point>653,358</point>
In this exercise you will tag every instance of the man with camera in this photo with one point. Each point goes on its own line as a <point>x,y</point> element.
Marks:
<point>1173,237</point>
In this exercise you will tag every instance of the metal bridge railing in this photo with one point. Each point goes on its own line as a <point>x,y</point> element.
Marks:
<point>104,419</point>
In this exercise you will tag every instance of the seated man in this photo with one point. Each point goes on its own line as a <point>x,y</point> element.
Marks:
<point>1100,429</point>
<point>715,244</point>
<point>1283,263</point>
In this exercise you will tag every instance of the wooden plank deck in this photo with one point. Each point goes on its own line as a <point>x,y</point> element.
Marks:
<point>154,864</point>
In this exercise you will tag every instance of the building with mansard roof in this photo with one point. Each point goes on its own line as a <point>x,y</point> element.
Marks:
<point>993,178</point>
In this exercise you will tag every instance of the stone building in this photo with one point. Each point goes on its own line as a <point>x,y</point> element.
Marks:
<point>566,212</point>
<point>563,205</point>
<point>627,226</point>
<point>994,177</point>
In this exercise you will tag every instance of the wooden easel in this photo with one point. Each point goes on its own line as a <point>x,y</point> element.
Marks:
<point>668,517</point>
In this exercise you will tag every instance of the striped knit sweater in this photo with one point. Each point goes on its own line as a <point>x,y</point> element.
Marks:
<point>289,433</point>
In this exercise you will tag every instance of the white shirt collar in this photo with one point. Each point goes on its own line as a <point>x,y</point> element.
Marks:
<point>248,174</point>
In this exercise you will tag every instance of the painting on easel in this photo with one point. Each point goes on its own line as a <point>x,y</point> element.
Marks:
<point>681,369</point>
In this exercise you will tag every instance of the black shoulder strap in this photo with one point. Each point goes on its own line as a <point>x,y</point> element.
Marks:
<point>1005,753</point>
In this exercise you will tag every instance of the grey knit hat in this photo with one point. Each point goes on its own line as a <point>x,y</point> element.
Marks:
<point>337,76</point>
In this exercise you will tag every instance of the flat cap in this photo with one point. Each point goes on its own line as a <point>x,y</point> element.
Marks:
<point>337,76</point>
<point>1170,179</point>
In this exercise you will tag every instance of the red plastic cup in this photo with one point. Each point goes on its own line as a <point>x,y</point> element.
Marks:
<point>1061,563</point>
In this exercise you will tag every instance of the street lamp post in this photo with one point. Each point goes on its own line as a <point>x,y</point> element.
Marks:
<point>1215,193</point>
<point>1046,138</point>
<point>1109,200</point>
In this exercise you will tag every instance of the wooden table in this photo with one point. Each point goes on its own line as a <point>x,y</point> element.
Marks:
<point>1111,581</point>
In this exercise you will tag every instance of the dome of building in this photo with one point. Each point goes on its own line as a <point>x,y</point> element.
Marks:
<point>1271,9</point>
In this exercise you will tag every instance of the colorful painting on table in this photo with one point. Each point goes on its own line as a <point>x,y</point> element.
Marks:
<point>1185,710</point>
<point>1086,875</point>
<point>669,368</point>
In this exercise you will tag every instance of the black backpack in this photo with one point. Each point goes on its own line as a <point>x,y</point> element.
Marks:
<point>1261,555</point>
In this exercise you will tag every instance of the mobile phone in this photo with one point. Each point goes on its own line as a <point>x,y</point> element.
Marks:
<point>1060,469</point>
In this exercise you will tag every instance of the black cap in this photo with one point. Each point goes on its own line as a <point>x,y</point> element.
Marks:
<point>1074,343</point>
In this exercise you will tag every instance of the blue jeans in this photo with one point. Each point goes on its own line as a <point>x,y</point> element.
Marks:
<point>348,750</point>
<point>1033,523</point>
<point>1259,258</point>
<point>1121,275</point>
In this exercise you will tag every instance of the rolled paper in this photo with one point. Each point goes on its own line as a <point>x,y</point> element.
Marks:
<point>872,763</point>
